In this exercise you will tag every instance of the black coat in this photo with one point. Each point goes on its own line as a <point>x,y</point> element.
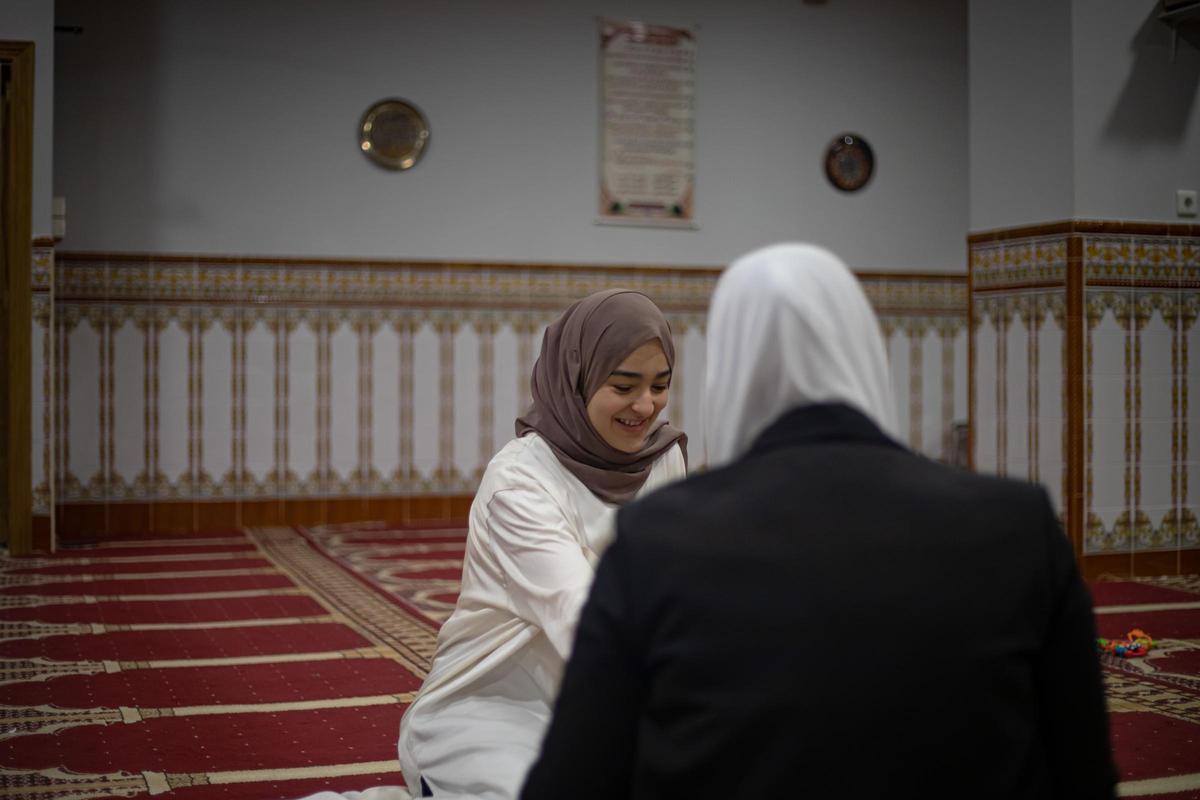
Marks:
<point>833,615</point>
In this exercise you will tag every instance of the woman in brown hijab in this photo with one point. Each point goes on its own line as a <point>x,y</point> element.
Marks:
<point>542,516</point>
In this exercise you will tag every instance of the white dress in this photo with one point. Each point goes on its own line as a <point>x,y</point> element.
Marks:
<point>535,535</point>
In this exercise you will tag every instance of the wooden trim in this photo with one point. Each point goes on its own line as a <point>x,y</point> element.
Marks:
<point>970,363</point>
<point>935,277</point>
<point>85,522</point>
<point>1076,325</point>
<point>369,263</point>
<point>431,265</point>
<point>1085,226</point>
<point>17,261</point>
<point>1008,288</point>
<point>1120,566</point>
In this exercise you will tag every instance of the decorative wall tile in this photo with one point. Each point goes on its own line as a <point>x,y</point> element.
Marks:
<point>987,386</point>
<point>217,408</point>
<point>1134,410</point>
<point>1019,263</point>
<point>219,379</point>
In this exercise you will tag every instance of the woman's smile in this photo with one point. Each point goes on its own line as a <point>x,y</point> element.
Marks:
<point>624,409</point>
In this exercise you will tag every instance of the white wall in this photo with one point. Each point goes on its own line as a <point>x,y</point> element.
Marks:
<point>33,21</point>
<point>1021,170</point>
<point>1077,111</point>
<point>230,127</point>
<point>1137,114</point>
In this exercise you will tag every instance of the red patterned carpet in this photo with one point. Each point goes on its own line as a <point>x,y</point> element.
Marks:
<point>276,663</point>
<point>249,666</point>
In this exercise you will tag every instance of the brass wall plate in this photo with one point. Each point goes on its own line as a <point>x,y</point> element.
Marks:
<point>394,134</point>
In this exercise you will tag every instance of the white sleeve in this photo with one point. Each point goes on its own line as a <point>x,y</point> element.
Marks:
<point>546,573</point>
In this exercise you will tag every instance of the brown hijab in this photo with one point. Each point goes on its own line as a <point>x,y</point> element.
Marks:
<point>579,351</point>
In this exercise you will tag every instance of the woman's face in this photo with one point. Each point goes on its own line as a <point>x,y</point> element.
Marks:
<point>624,409</point>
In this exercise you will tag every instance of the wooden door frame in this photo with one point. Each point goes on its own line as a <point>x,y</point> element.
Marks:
<point>16,203</point>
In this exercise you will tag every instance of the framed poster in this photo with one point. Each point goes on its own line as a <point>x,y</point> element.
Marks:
<point>647,131</point>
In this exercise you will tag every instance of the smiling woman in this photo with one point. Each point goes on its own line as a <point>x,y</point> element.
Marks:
<point>542,516</point>
<point>625,408</point>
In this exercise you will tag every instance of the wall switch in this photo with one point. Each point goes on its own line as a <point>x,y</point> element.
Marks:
<point>58,221</point>
<point>1185,202</point>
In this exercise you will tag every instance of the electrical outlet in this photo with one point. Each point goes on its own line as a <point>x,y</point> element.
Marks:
<point>58,222</point>
<point>1185,202</point>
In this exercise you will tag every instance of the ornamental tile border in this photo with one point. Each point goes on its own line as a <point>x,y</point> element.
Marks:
<point>449,286</point>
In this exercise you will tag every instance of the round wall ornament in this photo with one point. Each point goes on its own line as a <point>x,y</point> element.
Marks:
<point>849,162</point>
<point>393,133</point>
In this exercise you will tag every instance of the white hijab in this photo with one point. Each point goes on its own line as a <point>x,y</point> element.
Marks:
<point>789,325</point>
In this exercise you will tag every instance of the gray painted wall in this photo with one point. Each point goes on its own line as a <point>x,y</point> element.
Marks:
<point>33,21</point>
<point>1137,114</point>
<point>229,127</point>
<point>1077,111</point>
<point>1021,170</point>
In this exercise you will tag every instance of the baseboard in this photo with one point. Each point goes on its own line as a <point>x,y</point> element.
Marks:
<point>1141,565</point>
<point>93,522</point>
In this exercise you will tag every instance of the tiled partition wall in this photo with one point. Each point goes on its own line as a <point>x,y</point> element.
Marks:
<point>197,393</point>
<point>1081,340</point>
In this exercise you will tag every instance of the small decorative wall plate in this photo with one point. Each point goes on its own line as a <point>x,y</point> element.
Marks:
<point>849,162</point>
<point>393,133</point>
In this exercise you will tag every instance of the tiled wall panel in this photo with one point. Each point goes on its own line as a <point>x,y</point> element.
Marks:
<point>216,407</point>
<point>470,370</point>
<point>929,373</point>
<point>257,398</point>
<point>82,421</point>
<point>426,424</point>
<point>987,385</point>
<point>1138,293</point>
<point>1051,406</point>
<point>1142,288</point>
<point>303,423</point>
<point>1106,430</point>
<point>129,407</point>
<point>39,341</point>
<point>691,391</point>
<point>42,377</point>
<point>345,372</point>
<point>1189,411</point>
<point>214,381</point>
<point>899,354</point>
<point>510,385</point>
<point>1020,391</point>
<point>172,406</point>
<point>384,429</point>
<point>1019,301</point>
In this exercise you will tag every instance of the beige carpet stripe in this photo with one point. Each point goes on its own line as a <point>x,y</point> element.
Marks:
<point>324,619</point>
<point>42,580</point>
<point>37,563</point>
<point>238,661</point>
<point>1147,607</point>
<point>1153,786</point>
<point>21,670</point>
<point>45,719</point>
<point>303,773</point>
<point>33,600</point>
<point>188,542</point>
<point>271,708</point>
<point>26,629</point>
<point>61,784</point>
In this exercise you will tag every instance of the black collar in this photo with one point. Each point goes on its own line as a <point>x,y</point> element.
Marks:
<point>820,422</point>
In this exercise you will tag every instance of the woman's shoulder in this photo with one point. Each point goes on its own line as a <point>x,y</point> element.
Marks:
<point>671,464</point>
<point>526,461</point>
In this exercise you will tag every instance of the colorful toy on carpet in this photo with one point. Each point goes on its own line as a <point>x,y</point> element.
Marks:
<point>1136,644</point>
